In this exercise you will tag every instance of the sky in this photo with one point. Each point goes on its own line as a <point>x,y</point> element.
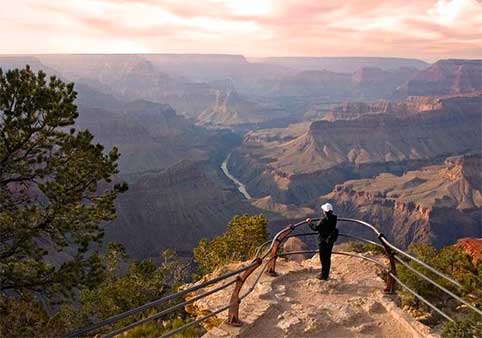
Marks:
<point>426,29</point>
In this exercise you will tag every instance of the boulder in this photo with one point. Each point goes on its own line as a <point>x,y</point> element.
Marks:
<point>295,244</point>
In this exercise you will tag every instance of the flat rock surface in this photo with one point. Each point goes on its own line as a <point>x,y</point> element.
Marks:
<point>297,304</point>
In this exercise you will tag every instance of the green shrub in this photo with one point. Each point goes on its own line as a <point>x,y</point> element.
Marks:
<point>468,327</point>
<point>361,247</point>
<point>117,291</point>
<point>154,330</point>
<point>243,235</point>
<point>454,262</point>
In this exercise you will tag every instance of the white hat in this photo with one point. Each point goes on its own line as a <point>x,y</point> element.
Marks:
<point>327,207</point>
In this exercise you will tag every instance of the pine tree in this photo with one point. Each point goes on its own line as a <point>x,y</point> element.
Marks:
<point>55,188</point>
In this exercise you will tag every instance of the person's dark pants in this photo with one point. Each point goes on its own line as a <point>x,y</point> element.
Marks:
<point>325,258</point>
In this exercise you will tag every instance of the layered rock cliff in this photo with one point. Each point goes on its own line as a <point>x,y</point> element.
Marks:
<point>342,64</point>
<point>436,204</point>
<point>173,208</point>
<point>151,136</point>
<point>315,86</point>
<point>383,137</point>
<point>229,108</point>
<point>374,82</point>
<point>172,168</point>
<point>191,84</point>
<point>411,105</point>
<point>445,77</point>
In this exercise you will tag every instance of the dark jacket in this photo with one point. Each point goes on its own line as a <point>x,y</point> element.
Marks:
<point>326,228</point>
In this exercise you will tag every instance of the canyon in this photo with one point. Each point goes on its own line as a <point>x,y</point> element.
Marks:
<point>174,208</point>
<point>434,204</point>
<point>226,90</point>
<point>297,166</point>
<point>199,134</point>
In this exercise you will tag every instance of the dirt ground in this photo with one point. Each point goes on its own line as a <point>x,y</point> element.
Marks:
<point>296,304</point>
<point>345,306</point>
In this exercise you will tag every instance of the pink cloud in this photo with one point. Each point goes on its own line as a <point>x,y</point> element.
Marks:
<point>426,28</point>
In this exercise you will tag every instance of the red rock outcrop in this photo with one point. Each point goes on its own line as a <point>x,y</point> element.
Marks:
<point>473,246</point>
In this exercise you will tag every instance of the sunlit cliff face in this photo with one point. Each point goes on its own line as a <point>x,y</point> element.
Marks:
<point>429,29</point>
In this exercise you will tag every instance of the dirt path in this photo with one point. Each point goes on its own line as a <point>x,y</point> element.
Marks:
<point>297,304</point>
<point>346,306</point>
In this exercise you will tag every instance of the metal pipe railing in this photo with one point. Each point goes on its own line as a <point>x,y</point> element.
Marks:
<point>284,233</point>
<point>194,322</point>
<point>168,310</point>
<point>425,265</point>
<point>368,225</point>
<point>172,332</point>
<point>362,240</point>
<point>256,281</point>
<point>381,265</point>
<point>154,303</point>
<point>260,247</point>
<point>341,235</point>
<point>260,256</point>
<point>436,309</point>
<point>233,315</point>
<point>275,238</point>
<point>450,293</point>
<point>335,253</point>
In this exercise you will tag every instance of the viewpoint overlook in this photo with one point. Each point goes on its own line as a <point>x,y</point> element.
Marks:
<point>225,157</point>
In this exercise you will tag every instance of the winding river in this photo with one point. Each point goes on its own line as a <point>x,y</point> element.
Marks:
<point>241,187</point>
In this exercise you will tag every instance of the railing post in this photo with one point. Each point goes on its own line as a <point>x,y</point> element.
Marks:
<point>390,282</point>
<point>274,250</point>
<point>233,314</point>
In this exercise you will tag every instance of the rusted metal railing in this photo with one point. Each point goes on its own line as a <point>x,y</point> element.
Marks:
<point>275,248</point>
<point>233,314</point>
<point>267,260</point>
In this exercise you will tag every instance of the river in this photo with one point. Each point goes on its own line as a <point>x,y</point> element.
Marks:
<point>241,187</point>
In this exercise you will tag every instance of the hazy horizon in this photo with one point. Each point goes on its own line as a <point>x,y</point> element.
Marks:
<point>247,57</point>
<point>427,30</point>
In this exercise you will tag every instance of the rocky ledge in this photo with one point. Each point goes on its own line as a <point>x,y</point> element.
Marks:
<point>297,304</point>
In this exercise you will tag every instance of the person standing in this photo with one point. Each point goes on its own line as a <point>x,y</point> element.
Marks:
<point>328,234</point>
